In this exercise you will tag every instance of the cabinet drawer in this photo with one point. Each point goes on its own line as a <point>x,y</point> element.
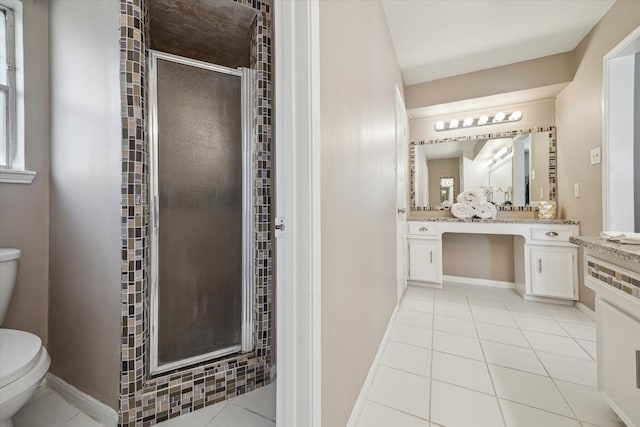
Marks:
<point>423,229</point>
<point>549,234</point>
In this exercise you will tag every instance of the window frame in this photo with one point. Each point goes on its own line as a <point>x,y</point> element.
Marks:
<point>10,88</point>
<point>15,171</point>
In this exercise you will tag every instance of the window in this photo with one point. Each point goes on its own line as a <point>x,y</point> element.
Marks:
<point>7,86</point>
<point>12,150</point>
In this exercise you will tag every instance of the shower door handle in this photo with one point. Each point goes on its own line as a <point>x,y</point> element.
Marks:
<point>156,212</point>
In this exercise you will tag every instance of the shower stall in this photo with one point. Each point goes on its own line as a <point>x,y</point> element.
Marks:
<point>201,234</point>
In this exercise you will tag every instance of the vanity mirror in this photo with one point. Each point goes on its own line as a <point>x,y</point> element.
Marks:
<point>512,169</point>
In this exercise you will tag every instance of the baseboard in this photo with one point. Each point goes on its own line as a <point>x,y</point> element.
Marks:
<point>479,282</point>
<point>364,391</point>
<point>586,310</point>
<point>97,410</point>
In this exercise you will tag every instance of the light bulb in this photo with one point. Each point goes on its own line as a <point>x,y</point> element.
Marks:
<point>483,120</point>
<point>439,125</point>
<point>467,121</point>
<point>498,117</point>
<point>453,124</point>
<point>516,115</point>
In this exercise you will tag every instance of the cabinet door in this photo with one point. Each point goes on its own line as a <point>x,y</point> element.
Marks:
<point>619,360</point>
<point>424,260</point>
<point>553,271</point>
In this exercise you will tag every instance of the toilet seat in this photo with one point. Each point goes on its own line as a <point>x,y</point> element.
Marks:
<point>19,353</point>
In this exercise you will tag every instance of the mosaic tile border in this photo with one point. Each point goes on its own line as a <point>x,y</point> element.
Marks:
<point>616,277</point>
<point>553,160</point>
<point>146,400</point>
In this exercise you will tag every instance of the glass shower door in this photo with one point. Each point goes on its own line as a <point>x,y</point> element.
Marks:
<point>201,287</point>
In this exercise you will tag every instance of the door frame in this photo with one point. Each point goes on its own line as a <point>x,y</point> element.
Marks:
<point>297,208</point>
<point>401,167</point>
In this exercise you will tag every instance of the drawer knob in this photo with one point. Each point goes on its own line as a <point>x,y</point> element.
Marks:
<point>551,233</point>
<point>423,229</point>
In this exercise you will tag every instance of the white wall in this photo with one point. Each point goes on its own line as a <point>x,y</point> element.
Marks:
<point>85,235</point>
<point>358,75</point>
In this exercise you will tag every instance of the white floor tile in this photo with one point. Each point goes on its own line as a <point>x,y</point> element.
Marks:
<point>538,324</point>
<point>453,288</point>
<point>410,334</point>
<point>50,410</point>
<point>375,415</point>
<point>199,418</point>
<point>570,369</point>
<point>81,420</point>
<point>517,415</point>
<point>42,391</point>
<point>457,344</point>
<point>560,312</point>
<point>454,325</point>
<point>456,406</point>
<point>401,390</point>
<point>236,416</point>
<point>502,334</point>
<point>484,302</point>
<point>511,356</point>
<point>454,298</point>
<point>425,306</point>
<point>493,316</point>
<point>261,401</point>
<point>589,347</point>
<point>589,405</point>
<point>461,371</point>
<point>483,292</point>
<point>453,309</point>
<point>419,292</point>
<point>584,331</point>
<point>530,389</point>
<point>405,357</point>
<point>556,344</point>
<point>415,318</point>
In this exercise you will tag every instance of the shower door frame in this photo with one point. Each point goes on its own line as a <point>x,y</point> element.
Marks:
<point>248,273</point>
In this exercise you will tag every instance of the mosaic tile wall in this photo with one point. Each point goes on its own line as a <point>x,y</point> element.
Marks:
<point>616,277</point>
<point>146,400</point>
<point>553,156</point>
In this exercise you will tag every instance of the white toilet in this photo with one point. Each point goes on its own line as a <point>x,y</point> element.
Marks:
<point>23,359</point>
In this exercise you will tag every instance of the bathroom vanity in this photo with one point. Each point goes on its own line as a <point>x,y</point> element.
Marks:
<point>545,260</point>
<point>613,271</point>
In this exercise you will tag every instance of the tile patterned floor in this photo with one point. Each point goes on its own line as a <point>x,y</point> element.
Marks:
<point>255,409</point>
<point>477,356</point>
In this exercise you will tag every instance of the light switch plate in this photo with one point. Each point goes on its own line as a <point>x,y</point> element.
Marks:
<point>595,156</point>
<point>576,190</point>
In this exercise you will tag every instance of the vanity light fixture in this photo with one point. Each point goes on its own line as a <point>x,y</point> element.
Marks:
<point>483,120</point>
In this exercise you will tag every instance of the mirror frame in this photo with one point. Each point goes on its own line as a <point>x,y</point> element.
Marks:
<point>553,173</point>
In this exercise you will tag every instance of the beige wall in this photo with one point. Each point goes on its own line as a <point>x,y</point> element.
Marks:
<point>579,118</point>
<point>485,256</point>
<point>546,71</point>
<point>24,209</point>
<point>84,315</point>
<point>358,77</point>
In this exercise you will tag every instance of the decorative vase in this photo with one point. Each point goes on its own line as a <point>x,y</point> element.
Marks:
<point>546,210</point>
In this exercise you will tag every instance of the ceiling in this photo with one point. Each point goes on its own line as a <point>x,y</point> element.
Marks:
<point>216,31</point>
<point>435,39</point>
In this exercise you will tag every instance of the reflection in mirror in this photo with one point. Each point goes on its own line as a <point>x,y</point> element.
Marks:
<point>447,191</point>
<point>507,171</point>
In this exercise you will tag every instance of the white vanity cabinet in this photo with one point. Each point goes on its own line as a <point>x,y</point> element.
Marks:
<point>553,271</point>
<point>552,267</point>
<point>545,261</point>
<point>424,260</point>
<point>425,253</point>
<point>613,272</point>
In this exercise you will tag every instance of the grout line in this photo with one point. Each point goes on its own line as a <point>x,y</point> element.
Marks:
<point>398,410</point>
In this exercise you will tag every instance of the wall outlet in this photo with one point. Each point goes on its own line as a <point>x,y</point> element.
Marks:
<point>533,174</point>
<point>595,156</point>
<point>576,190</point>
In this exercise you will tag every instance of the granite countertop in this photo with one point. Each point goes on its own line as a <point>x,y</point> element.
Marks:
<point>618,250</point>
<point>501,220</point>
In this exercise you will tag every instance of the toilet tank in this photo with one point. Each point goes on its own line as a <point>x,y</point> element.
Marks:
<point>8,271</point>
